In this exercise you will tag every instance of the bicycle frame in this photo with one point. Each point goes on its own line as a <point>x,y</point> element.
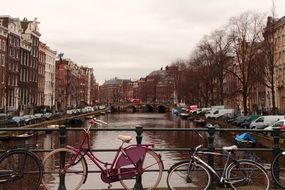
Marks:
<point>129,155</point>
<point>228,155</point>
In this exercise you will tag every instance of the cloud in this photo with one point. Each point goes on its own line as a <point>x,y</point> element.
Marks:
<point>129,38</point>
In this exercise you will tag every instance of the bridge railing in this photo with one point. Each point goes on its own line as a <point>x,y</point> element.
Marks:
<point>211,131</point>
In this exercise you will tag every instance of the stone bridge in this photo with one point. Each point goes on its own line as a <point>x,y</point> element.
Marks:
<point>143,107</point>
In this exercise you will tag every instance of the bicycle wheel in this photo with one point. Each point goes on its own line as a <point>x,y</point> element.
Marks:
<point>247,174</point>
<point>152,165</point>
<point>180,177</point>
<point>74,176</point>
<point>278,169</point>
<point>24,169</point>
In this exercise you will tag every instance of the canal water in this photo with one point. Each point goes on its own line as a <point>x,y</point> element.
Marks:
<point>108,140</point>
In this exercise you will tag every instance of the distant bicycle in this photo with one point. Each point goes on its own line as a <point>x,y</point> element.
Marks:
<point>197,174</point>
<point>20,169</point>
<point>69,164</point>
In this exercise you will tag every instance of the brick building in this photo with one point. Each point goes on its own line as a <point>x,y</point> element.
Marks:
<point>12,62</point>
<point>3,41</point>
<point>25,103</point>
<point>94,91</point>
<point>73,85</point>
<point>115,91</point>
<point>30,33</point>
<point>61,85</point>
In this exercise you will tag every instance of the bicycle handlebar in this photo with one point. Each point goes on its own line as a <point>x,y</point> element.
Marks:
<point>97,122</point>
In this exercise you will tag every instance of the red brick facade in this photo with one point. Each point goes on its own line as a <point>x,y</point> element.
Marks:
<point>3,47</point>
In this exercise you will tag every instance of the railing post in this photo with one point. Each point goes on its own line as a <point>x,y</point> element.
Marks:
<point>211,148</point>
<point>276,151</point>
<point>62,141</point>
<point>139,131</point>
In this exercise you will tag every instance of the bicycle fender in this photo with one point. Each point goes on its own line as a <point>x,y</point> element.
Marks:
<point>85,163</point>
<point>133,155</point>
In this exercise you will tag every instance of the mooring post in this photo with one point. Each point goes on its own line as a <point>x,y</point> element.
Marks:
<point>139,131</point>
<point>276,151</point>
<point>62,141</point>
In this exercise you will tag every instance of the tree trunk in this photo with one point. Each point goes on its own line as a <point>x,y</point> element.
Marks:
<point>274,109</point>
<point>221,92</point>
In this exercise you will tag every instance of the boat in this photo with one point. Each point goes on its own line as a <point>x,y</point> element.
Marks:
<point>184,115</point>
<point>245,140</point>
<point>89,116</point>
<point>4,138</point>
<point>199,122</point>
<point>52,127</point>
<point>24,135</point>
<point>76,122</point>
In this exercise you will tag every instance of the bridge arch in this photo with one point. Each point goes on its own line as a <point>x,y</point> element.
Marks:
<point>132,108</point>
<point>161,108</point>
<point>149,108</point>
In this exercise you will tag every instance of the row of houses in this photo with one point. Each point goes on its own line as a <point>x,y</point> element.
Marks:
<point>31,77</point>
<point>157,87</point>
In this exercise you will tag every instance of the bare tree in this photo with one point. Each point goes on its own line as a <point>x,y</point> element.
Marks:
<point>218,46</point>
<point>202,66</point>
<point>246,34</point>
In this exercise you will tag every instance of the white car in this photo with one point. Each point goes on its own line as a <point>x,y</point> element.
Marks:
<point>277,124</point>
<point>265,120</point>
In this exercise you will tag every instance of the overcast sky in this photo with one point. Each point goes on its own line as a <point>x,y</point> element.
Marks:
<point>129,38</point>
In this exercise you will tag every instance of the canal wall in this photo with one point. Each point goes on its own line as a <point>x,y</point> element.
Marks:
<point>65,119</point>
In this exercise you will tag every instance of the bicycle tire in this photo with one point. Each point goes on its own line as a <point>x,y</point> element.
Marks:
<point>152,164</point>
<point>179,178</point>
<point>51,166</point>
<point>251,178</point>
<point>278,172</point>
<point>26,164</point>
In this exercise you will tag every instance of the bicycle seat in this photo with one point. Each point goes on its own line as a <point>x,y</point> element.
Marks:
<point>230,148</point>
<point>125,138</point>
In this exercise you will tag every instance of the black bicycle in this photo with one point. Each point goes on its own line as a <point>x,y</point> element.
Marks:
<point>20,169</point>
<point>195,173</point>
<point>278,169</point>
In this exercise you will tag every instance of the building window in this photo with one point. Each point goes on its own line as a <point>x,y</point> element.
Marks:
<point>3,60</point>
<point>4,45</point>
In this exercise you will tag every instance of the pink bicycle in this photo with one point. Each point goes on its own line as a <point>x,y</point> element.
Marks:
<point>68,165</point>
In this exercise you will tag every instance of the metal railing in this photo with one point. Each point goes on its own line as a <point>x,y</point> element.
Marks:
<point>139,136</point>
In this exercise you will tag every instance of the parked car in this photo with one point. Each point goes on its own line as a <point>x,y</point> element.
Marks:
<point>249,119</point>
<point>239,121</point>
<point>221,112</point>
<point>278,124</point>
<point>10,121</point>
<point>29,119</point>
<point>47,115</point>
<point>264,121</point>
<point>18,120</point>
